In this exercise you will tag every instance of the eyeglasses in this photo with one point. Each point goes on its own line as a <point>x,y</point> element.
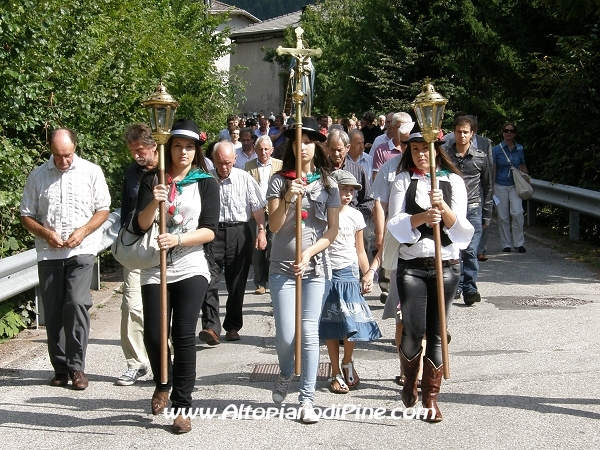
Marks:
<point>509,130</point>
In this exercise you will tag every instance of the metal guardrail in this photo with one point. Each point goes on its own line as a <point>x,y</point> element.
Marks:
<point>19,273</point>
<point>576,200</point>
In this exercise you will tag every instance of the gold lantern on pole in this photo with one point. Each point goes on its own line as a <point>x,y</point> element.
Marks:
<point>161,108</point>
<point>429,108</point>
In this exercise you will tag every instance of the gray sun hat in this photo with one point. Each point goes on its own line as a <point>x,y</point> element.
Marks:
<point>343,177</point>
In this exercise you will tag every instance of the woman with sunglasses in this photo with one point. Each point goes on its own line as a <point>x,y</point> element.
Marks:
<point>510,207</point>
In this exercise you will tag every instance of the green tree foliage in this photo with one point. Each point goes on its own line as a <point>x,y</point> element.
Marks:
<point>564,112</point>
<point>88,66</point>
<point>377,53</point>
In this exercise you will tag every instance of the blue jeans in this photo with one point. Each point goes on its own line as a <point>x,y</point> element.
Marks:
<point>314,291</point>
<point>469,266</point>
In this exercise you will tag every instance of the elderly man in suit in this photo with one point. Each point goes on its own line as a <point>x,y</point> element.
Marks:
<point>261,169</point>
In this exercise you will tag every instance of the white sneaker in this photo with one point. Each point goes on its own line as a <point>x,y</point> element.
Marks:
<point>281,388</point>
<point>307,412</point>
<point>131,376</point>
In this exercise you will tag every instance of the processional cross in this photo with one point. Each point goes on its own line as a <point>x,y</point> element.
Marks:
<point>302,56</point>
<point>303,64</point>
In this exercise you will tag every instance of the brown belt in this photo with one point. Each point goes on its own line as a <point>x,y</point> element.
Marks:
<point>426,263</point>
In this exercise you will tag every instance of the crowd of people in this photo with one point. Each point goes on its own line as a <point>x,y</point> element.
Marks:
<point>368,209</point>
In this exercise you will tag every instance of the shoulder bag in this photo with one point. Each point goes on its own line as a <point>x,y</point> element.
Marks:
<point>522,180</point>
<point>134,251</point>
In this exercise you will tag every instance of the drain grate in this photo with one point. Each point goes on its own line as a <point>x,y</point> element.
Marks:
<point>517,303</point>
<point>269,372</point>
<point>549,302</point>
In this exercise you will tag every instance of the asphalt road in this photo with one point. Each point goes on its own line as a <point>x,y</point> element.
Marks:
<point>524,367</point>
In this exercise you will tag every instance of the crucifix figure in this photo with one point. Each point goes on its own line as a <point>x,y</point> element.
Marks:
<point>303,71</point>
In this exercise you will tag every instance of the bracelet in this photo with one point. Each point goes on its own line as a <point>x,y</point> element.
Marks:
<point>179,240</point>
<point>374,271</point>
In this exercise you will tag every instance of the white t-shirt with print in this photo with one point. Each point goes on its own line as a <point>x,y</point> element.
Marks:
<point>342,251</point>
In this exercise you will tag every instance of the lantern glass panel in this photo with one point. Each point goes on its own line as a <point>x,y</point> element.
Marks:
<point>419,116</point>
<point>170,117</point>
<point>427,117</point>
<point>150,110</point>
<point>161,115</point>
<point>439,110</point>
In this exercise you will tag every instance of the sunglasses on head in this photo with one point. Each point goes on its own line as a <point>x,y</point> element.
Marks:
<point>509,130</point>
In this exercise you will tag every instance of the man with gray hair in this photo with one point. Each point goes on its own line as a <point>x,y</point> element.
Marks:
<point>384,137</point>
<point>402,124</point>
<point>262,169</point>
<point>241,198</point>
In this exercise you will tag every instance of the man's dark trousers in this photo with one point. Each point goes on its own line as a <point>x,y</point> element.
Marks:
<point>65,287</point>
<point>232,250</point>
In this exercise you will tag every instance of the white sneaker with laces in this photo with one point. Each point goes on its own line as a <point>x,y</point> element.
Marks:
<point>307,412</point>
<point>281,388</point>
<point>131,376</point>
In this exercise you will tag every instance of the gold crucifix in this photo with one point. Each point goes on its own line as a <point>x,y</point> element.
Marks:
<point>303,70</point>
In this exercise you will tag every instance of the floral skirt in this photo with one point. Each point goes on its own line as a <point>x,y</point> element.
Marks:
<point>345,312</point>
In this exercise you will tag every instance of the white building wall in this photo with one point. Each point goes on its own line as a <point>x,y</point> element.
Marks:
<point>264,90</point>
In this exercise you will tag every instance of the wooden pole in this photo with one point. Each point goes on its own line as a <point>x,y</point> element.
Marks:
<point>162,226</point>
<point>439,274</point>
<point>298,321</point>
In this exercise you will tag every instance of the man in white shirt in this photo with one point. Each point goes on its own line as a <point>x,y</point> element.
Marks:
<point>240,198</point>
<point>382,138</point>
<point>64,204</point>
<point>263,128</point>
<point>356,152</point>
<point>246,152</point>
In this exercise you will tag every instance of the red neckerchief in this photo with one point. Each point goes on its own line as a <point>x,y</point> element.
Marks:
<point>291,175</point>
<point>418,171</point>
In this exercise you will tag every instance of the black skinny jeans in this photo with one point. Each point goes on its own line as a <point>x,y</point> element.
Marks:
<point>418,301</point>
<point>184,301</point>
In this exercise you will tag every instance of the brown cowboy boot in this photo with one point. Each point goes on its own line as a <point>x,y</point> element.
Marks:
<point>410,369</point>
<point>430,388</point>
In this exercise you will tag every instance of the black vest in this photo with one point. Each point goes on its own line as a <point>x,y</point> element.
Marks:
<point>413,208</point>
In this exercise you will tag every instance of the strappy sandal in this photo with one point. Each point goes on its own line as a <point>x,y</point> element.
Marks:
<point>338,385</point>
<point>350,375</point>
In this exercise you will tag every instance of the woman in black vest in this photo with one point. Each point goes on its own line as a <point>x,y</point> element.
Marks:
<point>411,212</point>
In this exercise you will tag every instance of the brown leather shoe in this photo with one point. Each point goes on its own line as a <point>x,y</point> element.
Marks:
<point>482,257</point>
<point>159,401</point>
<point>79,380</point>
<point>260,290</point>
<point>209,336</point>
<point>60,379</point>
<point>181,425</point>
<point>232,335</point>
